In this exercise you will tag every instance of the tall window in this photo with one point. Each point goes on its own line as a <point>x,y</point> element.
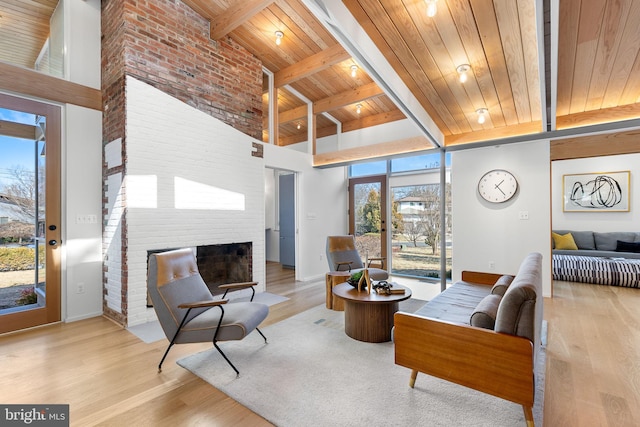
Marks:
<point>419,213</point>
<point>417,233</point>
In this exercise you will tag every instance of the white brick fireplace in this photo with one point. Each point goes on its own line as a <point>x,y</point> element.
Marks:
<point>187,180</point>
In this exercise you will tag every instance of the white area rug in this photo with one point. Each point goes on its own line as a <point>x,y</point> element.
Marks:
<point>312,374</point>
<point>152,331</point>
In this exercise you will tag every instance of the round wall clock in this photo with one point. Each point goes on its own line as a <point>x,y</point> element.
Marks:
<point>497,186</point>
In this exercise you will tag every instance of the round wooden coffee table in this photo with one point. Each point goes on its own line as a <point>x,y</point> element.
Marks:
<point>369,317</point>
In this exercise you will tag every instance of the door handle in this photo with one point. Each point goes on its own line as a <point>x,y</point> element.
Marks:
<point>53,242</point>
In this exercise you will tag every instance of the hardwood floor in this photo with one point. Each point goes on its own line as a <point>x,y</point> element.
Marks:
<point>109,377</point>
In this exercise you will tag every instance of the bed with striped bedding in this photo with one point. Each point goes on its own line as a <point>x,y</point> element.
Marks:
<point>598,270</point>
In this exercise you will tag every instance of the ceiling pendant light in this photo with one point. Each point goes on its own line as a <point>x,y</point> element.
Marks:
<point>279,36</point>
<point>482,115</point>
<point>298,126</point>
<point>354,71</point>
<point>432,8</point>
<point>358,108</point>
<point>463,71</point>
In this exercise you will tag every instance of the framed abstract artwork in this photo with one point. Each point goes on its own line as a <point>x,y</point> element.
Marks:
<point>596,192</point>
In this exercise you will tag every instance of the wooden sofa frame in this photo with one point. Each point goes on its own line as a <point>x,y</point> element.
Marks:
<point>495,363</point>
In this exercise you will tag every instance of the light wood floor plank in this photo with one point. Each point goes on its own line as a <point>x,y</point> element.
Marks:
<point>109,377</point>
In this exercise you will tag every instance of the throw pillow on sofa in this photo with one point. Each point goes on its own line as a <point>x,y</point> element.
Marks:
<point>484,315</point>
<point>501,285</point>
<point>628,247</point>
<point>564,241</point>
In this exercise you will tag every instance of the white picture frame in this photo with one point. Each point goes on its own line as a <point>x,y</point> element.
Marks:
<point>596,192</point>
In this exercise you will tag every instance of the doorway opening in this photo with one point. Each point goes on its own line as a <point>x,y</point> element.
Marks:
<point>29,213</point>
<point>281,218</point>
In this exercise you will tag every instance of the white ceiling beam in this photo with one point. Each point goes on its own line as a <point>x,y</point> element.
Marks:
<point>337,19</point>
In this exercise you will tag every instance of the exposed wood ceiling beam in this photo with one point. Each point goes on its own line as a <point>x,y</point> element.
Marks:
<point>358,94</point>
<point>311,65</point>
<point>293,114</point>
<point>236,15</point>
<point>17,130</point>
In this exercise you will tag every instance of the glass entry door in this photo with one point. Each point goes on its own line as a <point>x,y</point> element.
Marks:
<point>29,213</point>
<point>368,219</point>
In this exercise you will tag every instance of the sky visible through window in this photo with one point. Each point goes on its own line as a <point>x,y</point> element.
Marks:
<point>15,152</point>
<point>401,164</point>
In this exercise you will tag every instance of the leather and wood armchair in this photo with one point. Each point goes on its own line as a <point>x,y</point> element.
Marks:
<point>187,311</point>
<point>342,255</point>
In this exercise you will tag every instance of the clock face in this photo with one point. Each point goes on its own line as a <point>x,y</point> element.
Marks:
<point>497,186</point>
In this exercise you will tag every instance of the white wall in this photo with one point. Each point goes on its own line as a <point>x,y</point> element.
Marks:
<point>191,180</point>
<point>321,207</point>
<point>82,166</point>
<point>491,237</point>
<point>272,234</point>
<point>596,221</point>
<point>393,131</point>
<point>82,17</point>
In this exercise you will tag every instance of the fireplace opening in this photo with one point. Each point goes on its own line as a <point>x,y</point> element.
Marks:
<point>222,263</point>
<point>226,263</point>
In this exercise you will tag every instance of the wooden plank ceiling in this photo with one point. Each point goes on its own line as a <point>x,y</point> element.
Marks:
<point>596,67</point>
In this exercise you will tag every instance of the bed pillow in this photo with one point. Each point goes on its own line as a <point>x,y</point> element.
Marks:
<point>484,315</point>
<point>501,285</point>
<point>564,241</point>
<point>627,247</point>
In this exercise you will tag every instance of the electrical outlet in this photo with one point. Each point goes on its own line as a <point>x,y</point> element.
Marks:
<point>492,265</point>
<point>80,288</point>
<point>523,215</point>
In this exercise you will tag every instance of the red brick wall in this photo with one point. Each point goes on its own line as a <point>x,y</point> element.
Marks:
<point>166,44</point>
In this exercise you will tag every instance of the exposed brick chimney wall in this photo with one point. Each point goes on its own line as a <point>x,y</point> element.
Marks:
<point>165,44</point>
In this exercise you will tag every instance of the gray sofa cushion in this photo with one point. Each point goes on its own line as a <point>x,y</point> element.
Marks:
<point>484,316</point>
<point>501,285</point>
<point>609,241</point>
<point>456,304</point>
<point>583,239</point>
<point>520,311</point>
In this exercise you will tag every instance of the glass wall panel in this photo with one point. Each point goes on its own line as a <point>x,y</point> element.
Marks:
<point>367,169</point>
<point>417,233</point>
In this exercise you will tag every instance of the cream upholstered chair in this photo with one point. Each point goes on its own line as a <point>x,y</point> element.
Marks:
<point>187,311</point>
<point>342,255</point>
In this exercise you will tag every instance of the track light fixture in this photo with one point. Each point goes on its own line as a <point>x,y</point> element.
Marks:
<point>279,36</point>
<point>354,70</point>
<point>298,125</point>
<point>358,108</point>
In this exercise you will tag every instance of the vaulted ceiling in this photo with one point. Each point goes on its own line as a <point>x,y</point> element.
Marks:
<point>536,66</point>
